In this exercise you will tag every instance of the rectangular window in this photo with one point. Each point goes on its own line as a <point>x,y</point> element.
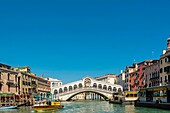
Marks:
<point>165,69</point>
<point>0,87</point>
<point>161,70</point>
<point>8,88</point>
<point>165,78</point>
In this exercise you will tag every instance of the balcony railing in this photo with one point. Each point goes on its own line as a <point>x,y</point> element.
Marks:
<point>1,81</point>
<point>154,78</point>
<point>10,82</point>
<point>34,85</point>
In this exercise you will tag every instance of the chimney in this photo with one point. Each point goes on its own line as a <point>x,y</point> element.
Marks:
<point>163,52</point>
<point>121,71</point>
<point>168,43</point>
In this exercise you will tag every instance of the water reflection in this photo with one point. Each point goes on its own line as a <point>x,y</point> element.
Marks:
<point>91,107</point>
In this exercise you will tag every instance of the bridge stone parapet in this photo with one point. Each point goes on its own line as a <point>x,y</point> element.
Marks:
<point>87,84</point>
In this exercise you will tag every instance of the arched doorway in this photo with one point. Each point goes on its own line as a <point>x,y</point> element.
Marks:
<point>60,90</point>
<point>87,82</point>
<point>110,88</point>
<point>114,89</point>
<point>100,86</point>
<point>95,85</point>
<point>75,86</point>
<point>80,85</point>
<point>105,87</point>
<point>65,89</point>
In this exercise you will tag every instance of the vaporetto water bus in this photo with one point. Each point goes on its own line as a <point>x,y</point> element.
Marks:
<point>128,97</point>
<point>155,97</point>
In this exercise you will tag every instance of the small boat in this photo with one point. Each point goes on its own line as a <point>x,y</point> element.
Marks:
<point>47,105</point>
<point>8,107</point>
<point>57,104</point>
<point>128,97</point>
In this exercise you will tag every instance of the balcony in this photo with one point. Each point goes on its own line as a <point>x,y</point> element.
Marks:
<point>154,78</point>
<point>1,81</point>
<point>10,82</point>
<point>34,85</point>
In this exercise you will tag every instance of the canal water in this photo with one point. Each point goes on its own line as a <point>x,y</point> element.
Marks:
<point>91,107</point>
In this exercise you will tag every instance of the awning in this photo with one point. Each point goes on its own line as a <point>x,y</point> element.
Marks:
<point>7,94</point>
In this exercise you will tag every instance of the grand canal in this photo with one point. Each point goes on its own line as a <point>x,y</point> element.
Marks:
<point>92,107</point>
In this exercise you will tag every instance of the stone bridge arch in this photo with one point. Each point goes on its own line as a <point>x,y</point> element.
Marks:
<point>87,84</point>
<point>67,96</point>
<point>99,93</point>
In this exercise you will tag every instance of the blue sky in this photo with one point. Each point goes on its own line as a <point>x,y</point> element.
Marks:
<point>71,39</point>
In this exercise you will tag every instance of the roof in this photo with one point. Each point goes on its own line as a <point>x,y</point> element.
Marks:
<point>52,79</point>
<point>108,75</point>
<point>5,65</point>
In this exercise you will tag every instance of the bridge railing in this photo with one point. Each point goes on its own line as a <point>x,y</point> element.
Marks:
<point>85,89</point>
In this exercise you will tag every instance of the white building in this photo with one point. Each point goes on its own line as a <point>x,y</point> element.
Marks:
<point>109,78</point>
<point>54,83</point>
<point>121,79</point>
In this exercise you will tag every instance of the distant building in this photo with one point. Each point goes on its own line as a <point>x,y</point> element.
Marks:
<point>128,71</point>
<point>165,65</point>
<point>135,76</point>
<point>53,84</point>
<point>152,74</point>
<point>25,69</point>
<point>109,78</point>
<point>121,79</point>
<point>44,88</point>
<point>8,79</point>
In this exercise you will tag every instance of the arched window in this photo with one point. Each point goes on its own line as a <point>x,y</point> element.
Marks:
<point>8,76</point>
<point>53,84</point>
<point>55,92</point>
<point>87,82</point>
<point>100,86</point>
<point>105,87</point>
<point>114,89</point>
<point>95,85</point>
<point>75,86</point>
<point>110,88</point>
<point>80,85</point>
<point>70,88</point>
<point>65,89</point>
<point>119,90</point>
<point>60,90</point>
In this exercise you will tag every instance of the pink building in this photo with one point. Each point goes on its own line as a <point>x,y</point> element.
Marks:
<point>133,81</point>
<point>152,74</point>
<point>137,78</point>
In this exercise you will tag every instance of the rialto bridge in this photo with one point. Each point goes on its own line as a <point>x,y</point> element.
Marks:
<point>87,84</point>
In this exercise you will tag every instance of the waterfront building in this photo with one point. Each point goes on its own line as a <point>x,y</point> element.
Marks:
<point>133,81</point>
<point>165,65</point>
<point>152,74</point>
<point>8,79</point>
<point>8,85</point>
<point>44,88</point>
<point>24,69</point>
<point>53,84</point>
<point>121,79</point>
<point>135,76</point>
<point>27,84</point>
<point>109,78</point>
<point>128,71</point>
<point>141,73</point>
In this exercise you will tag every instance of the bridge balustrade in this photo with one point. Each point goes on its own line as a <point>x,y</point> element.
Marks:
<point>85,88</point>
